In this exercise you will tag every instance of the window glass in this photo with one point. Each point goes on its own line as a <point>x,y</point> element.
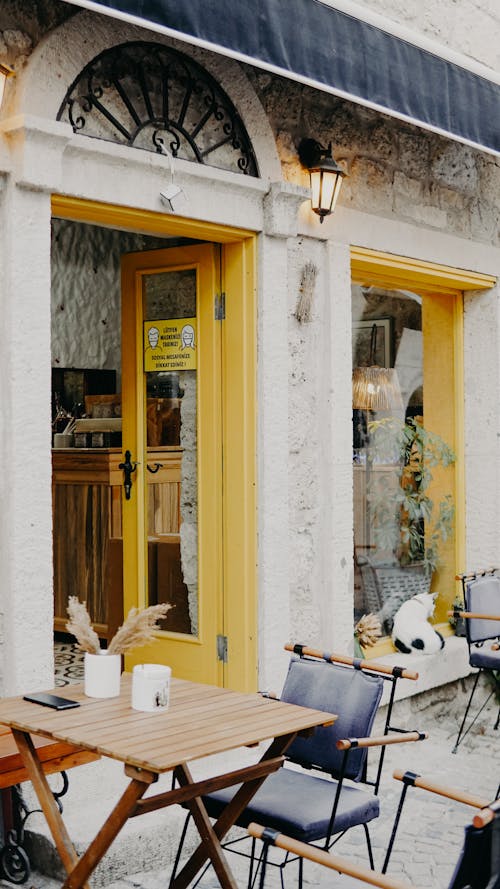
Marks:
<point>403,475</point>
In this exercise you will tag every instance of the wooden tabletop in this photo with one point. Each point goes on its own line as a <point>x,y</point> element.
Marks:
<point>201,720</point>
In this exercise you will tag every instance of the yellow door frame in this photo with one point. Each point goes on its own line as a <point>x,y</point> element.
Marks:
<point>443,322</point>
<point>238,349</point>
<point>191,657</point>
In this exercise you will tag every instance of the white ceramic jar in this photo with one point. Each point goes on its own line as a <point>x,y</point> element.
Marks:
<point>102,674</point>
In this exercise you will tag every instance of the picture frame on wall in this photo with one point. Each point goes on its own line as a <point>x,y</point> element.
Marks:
<point>361,342</point>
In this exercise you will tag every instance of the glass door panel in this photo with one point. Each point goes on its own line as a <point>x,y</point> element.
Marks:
<point>170,341</point>
<point>172,521</point>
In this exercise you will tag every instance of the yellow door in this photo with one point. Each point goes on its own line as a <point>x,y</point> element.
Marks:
<point>172,431</point>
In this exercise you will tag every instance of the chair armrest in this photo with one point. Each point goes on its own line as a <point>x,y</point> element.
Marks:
<point>468,615</point>
<point>482,818</point>
<point>320,856</point>
<point>459,796</point>
<point>383,741</point>
<point>371,666</point>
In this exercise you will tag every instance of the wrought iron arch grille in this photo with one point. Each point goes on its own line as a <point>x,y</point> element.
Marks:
<point>155,98</point>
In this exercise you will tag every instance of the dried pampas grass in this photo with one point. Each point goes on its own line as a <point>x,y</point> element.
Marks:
<point>80,627</point>
<point>137,630</point>
<point>303,312</point>
<point>367,630</point>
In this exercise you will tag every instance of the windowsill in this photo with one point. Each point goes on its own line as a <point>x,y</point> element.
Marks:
<point>384,647</point>
<point>434,670</point>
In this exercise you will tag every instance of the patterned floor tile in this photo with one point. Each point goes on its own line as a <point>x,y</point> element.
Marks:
<point>68,662</point>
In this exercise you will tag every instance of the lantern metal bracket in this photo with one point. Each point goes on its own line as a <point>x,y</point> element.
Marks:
<point>312,152</point>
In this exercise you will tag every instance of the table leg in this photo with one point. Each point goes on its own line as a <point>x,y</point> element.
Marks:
<point>45,796</point>
<point>211,835</point>
<point>210,841</point>
<point>110,829</point>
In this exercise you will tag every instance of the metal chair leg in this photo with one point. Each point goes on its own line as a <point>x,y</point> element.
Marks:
<point>179,849</point>
<point>497,723</point>
<point>251,866</point>
<point>459,736</point>
<point>395,827</point>
<point>369,846</point>
<point>263,864</point>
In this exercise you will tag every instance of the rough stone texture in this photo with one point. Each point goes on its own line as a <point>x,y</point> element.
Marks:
<point>408,192</point>
<point>26,657</point>
<point>23,24</point>
<point>464,26</point>
<point>393,169</point>
<point>86,299</point>
<point>189,495</point>
<point>482,373</point>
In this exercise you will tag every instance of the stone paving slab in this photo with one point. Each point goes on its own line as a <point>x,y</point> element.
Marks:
<point>431,830</point>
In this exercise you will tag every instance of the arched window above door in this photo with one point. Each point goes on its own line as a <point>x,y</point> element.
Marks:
<point>149,96</point>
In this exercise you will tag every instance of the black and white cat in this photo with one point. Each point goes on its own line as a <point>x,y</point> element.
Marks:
<point>412,630</point>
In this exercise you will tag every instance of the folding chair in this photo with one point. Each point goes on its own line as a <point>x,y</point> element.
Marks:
<point>300,803</point>
<point>481,592</point>
<point>305,851</point>
<point>410,779</point>
<point>478,865</point>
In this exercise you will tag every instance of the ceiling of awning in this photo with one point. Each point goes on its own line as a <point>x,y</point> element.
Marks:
<point>314,43</point>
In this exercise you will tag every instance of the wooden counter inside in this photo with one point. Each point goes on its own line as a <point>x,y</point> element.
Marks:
<point>87,490</point>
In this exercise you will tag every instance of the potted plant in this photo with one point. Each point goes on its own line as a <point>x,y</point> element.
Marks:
<point>102,667</point>
<point>405,517</point>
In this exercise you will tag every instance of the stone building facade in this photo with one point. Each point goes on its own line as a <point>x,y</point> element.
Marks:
<point>408,193</point>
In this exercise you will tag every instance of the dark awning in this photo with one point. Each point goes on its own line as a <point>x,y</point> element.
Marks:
<point>314,43</point>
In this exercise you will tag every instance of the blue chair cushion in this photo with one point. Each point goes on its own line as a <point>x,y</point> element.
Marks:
<point>300,805</point>
<point>351,694</point>
<point>482,596</point>
<point>483,656</point>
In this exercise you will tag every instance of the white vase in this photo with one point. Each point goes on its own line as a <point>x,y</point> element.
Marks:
<point>102,674</point>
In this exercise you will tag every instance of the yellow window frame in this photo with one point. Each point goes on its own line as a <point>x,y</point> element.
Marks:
<point>442,323</point>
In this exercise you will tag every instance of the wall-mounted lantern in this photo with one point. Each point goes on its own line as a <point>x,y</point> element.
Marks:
<point>5,72</point>
<point>325,175</point>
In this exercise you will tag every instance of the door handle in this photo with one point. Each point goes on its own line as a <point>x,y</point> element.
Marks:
<point>157,467</point>
<point>128,468</point>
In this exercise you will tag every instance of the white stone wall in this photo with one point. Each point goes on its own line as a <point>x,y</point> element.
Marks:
<point>482,426</point>
<point>408,192</point>
<point>26,600</point>
<point>465,26</point>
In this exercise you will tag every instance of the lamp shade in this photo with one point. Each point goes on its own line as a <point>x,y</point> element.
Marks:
<point>376,389</point>
<point>326,180</point>
<point>325,176</point>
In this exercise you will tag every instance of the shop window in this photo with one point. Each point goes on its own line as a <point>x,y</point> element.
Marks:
<point>404,447</point>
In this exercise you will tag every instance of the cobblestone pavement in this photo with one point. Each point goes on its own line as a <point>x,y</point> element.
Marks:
<point>431,829</point>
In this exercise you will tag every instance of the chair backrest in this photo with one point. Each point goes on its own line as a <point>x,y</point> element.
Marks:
<point>350,693</point>
<point>482,596</point>
<point>478,866</point>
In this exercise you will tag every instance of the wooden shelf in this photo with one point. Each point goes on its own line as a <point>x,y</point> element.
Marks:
<point>87,509</point>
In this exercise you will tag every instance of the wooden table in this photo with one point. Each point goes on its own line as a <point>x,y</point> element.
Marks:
<point>202,720</point>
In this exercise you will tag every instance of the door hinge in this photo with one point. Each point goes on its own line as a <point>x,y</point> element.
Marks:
<point>220,306</point>
<point>222,649</point>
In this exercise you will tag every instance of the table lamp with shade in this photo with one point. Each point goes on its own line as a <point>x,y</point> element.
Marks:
<point>374,388</point>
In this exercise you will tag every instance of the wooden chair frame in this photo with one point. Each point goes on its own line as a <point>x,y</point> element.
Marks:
<point>388,673</point>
